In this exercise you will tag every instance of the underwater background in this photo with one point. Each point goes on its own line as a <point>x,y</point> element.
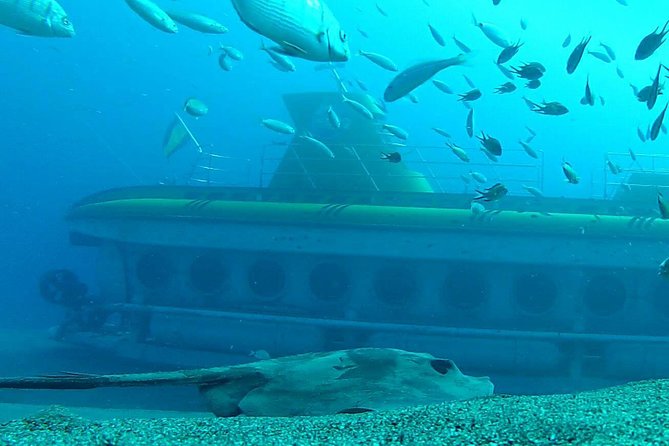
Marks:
<point>90,113</point>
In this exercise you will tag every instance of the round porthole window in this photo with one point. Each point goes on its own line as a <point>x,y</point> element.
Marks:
<point>154,270</point>
<point>267,278</point>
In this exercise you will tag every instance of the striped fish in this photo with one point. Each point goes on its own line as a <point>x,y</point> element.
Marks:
<point>302,28</point>
<point>44,18</point>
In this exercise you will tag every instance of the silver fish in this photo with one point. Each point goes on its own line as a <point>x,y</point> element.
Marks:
<point>413,77</point>
<point>302,28</point>
<point>43,18</point>
<point>198,22</point>
<point>153,15</point>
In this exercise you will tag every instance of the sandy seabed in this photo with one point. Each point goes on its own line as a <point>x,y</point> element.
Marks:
<point>633,414</point>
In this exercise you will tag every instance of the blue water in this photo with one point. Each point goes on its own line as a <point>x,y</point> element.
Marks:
<point>89,113</point>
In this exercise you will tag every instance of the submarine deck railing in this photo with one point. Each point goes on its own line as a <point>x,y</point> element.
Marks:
<point>659,168</point>
<point>388,327</point>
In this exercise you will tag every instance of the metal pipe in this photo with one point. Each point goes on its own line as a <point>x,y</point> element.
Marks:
<point>389,327</point>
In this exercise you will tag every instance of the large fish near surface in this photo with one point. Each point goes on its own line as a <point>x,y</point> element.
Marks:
<point>302,28</point>
<point>416,75</point>
<point>44,18</point>
<point>153,15</point>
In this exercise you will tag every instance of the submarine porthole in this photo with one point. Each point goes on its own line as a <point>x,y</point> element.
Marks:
<point>604,295</point>
<point>154,270</point>
<point>534,293</point>
<point>465,288</point>
<point>659,297</point>
<point>395,285</point>
<point>329,281</point>
<point>267,278</point>
<point>208,273</point>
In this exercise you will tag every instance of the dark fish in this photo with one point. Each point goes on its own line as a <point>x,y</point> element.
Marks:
<point>469,81</point>
<point>393,157</point>
<point>577,54</point>
<point>552,108</point>
<point>506,72</point>
<point>508,53</point>
<point>436,35</point>
<point>654,89</point>
<point>657,124</point>
<point>470,123</point>
<point>530,71</point>
<point>651,43</point>
<point>496,2</point>
<point>507,87</point>
<point>533,84</point>
<point>470,95</point>
<point>620,73</point>
<point>461,45</point>
<point>609,50</point>
<point>664,208</point>
<point>588,98</point>
<point>490,144</point>
<point>567,41</point>
<point>493,193</point>
<point>640,134</point>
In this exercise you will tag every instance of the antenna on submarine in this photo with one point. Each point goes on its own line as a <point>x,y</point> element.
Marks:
<point>190,134</point>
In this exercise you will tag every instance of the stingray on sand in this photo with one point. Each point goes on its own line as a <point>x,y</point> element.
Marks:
<point>345,381</point>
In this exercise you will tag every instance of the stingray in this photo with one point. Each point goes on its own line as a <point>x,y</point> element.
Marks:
<point>345,381</point>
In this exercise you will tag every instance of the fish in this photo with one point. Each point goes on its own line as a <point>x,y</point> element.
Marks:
<point>570,173</point>
<point>620,73</point>
<point>651,43</point>
<point>302,28</point>
<point>567,41</point>
<point>278,126</point>
<point>380,60</point>
<point>609,50</point>
<point>493,193</point>
<point>261,355</point>
<point>478,177</point>
<point>416,75</point>
<point>654,90</point>
<point>392,157</point>
<point>493,33</point>
<point>476,208</point>
<point>459,152</point>
<point>381,10</point>
<point>601,56</point>
<point>469,81</point>
<point>358,107</point>
<point>663,269</point>
<point>507,87</point>
<point>505,71</point>
<point>40,18</point>
<point>523,24</point>
<point>196,107</point>
<point>232,53</point>
<point>663,206</point>
<point>469,125</point>
<point>319,145</point>
<point>588,98</point>
<point>279,59</point>
<point>396,131</point>
<point>412,98</point>
<point>508,53</point>
<point>463,47</point>
<point>442,132</point>
<point>530,71</point>
<point>197,22</point>
<point>528,149</point>
<point>490,156</point>
<point>363,33</point>
<point>470,95</point>
<point>533,191</point>
<point>223,62</point>
<point>632,154</point>
<point>641,134</point>
<point>436,35</point>
<point>552,108</point>
<point>577,54</point>
<point>491,144</point>
<point>333,118</point>
<point>442,86</point>
<point>153,15</point>
<point>657,124</point>
<point>613,167</point>
<point>533,84</point>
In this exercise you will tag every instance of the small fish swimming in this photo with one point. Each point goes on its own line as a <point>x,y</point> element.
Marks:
<point>493,193</point>
<point>196,107</point>
<point>436,35</point>
<point>380,60</point>
<point>442,132</point>
<point>609,50</point>
<point>570,173</point>
<point>278,126</point>
<point>533,84</point>
<point>613,167</point>
<point>152,14</point>
<point>469,125</point>
<point>508,53</point>
<point>533,191</point>
<point>577,54</point>
<point>279,59</point>
<point>552,108</point>
<point>471,95</point>
<point>224,62</point>
<point>442,86</point>
<point>464,48</point>
<point>567,41</point>
<point>459,152</point>
<point>302,28</point>
<point>478,177</point>
<point>651,43</point>
<point>505,88</point>
<point>319,145</point>
<point>359,108</point>
<point>491,144</point>
<point>45,18</point>
<point>416,75</point>
<point>333,118</point>
<point>396,131</point>
<point>392,157</point>
<point>197,22</point>
<point>663,206</point>
<point>601,56</point>
<point>530,71</point>
<point>232,53</point>
<point>654,89</point>
<point>493,33</point>
<point>528,149</point>
<point>588,98</point>
<point>657,124</point>
<point>663,270</point>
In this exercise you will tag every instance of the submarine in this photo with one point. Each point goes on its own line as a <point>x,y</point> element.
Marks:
<point>542,294</point>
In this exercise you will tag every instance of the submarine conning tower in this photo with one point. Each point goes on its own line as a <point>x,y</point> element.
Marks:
<point>555,295</point>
